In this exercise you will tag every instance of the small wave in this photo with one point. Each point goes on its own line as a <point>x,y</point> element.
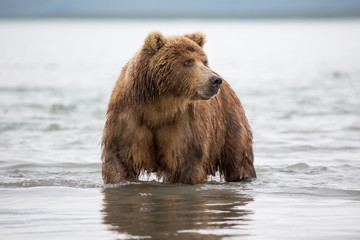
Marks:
<point>22,89</point>
<point>85,178</point>
<point>52,127</point>
<point>125,183</point>
<point>52,183</point>
<point>99,113</point>
<point>294,171</point>
<point>340,75</point>
<point>81,175</point>
<point>60,108</point>
<point>322,192</point>
<point>354,127</point>
<point>4,127</point>
<point>14,89</point>
<point>298,166</point>
<point>48,166</point>
<point>303,167</point>
<point>331,192</point>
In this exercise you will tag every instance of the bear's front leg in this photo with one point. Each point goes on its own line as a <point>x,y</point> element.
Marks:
<point>237,162</point>
<point>127,148</point>
<point>238,168</point>
<point>114,171</point>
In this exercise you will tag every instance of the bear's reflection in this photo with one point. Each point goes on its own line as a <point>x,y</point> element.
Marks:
<point>163,211</point>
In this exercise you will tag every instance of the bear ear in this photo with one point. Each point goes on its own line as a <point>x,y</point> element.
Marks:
<point>154,41</point>
<point>197,37</point>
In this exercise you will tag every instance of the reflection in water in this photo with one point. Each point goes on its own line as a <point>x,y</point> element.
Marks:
<point>158,211</point>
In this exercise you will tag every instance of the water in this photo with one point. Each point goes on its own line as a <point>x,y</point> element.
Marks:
<point>299,82</point>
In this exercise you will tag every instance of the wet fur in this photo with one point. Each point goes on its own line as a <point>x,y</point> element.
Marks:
<point>157,122</point>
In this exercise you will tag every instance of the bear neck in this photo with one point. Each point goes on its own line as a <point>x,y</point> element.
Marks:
<point>164,110</point>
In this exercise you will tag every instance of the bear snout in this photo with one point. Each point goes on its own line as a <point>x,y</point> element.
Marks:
<point>211,88</point>
<point>215,82</point>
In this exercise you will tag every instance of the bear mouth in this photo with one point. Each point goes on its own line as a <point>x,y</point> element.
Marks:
<point>209,93</point>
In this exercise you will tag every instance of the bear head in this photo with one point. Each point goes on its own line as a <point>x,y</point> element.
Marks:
<point>177,66</point>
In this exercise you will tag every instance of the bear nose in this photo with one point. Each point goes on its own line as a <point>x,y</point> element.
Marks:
<point>215,81</point>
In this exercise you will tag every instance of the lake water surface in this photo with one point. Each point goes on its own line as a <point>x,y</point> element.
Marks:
<point>299,82</point>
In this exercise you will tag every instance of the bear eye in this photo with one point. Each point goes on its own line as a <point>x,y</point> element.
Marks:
<point>189,62</point>
<point>205,62</point>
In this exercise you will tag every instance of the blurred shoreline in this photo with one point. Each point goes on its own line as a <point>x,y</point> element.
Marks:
<point>183,19</point>
<point>193,9</point>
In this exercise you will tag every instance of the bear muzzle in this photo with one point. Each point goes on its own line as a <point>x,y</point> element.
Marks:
<point>210,88</point>
<point>215,82</point>
<point>214,86</point>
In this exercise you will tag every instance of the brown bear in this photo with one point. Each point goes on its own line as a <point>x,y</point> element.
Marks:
<point>171,114</point>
